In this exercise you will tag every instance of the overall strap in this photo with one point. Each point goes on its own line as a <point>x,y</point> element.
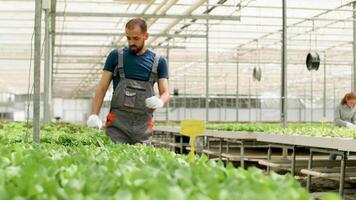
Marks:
<point>120,63</point>
<point>153,75</point>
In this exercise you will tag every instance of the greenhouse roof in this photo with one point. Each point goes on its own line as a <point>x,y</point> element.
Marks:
<point>244,33</point>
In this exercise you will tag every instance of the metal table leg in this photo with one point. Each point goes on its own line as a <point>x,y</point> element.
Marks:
<point>269,155</point>
<point>293,161</point>
<point>310,166</point>
<point>181,144</point>
<point>220,148</point>
<point>342,173</point>
<point>208,146</point>
<point>242,154</point>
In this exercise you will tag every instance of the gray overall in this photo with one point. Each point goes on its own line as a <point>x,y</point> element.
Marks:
<point>129,120</point>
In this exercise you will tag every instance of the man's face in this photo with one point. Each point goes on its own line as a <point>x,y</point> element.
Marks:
<point>136,39</point>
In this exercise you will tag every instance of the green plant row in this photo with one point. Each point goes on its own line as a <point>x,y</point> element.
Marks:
<point>55,133</point>
<point>315,129</point>
<point>52,171</point>
<point>68,165</point>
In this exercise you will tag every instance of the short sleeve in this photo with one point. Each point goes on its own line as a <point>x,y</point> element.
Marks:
<point>162,69</point>
<point>111,61</point>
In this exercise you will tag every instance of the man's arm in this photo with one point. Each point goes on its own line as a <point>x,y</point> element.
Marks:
<point>100,91</point>
<point>163,89</point>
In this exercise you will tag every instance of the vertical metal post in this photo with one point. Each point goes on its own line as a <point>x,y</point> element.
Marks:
<point>342,173</point>
<point>249,99</point>
<point>293,161</point>
<point>260,101</point>
<point>269,157</point>
<point>53,8</point>
<point>167,104</point>
<point>300,111</point>
<point>305,104</point>
<point>200,100</point>
<point>185,95</point>
<point>324,89</point>
<point>220,148</point>
<point>225,103</point>
<point>310,166</point>
<point>217,104</point>
<point>237,89</point>
<point>353,87</point>
<point>190,105</point>
<point>177,105</point>
<point>285,152</point>
<point>37,72</point>
<point>46,107</point>
<point>242,154</point>
<point>256,111</point>
<point>284,113</point>
<point>50,99</point>
<point>334,93</point>
<point>207,69</point>
<point>311,96</point>
<point>181,144</point>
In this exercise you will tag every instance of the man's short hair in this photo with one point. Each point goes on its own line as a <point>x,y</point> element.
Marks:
<point>137,22</point>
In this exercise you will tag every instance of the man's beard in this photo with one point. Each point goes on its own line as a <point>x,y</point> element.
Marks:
<point>135,49</point>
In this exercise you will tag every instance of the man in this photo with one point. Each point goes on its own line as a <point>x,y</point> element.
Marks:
<point>133,70</point>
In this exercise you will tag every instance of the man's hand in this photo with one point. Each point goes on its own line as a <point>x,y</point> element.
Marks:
<point>94,122</point>
<point>154,102</point>
<point>350,125</point>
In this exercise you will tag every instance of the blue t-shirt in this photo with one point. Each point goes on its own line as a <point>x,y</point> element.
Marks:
<point>135,67</point>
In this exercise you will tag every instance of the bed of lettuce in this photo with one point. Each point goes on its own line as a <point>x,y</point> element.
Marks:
<point>309,129</point>
<point>74,162</point>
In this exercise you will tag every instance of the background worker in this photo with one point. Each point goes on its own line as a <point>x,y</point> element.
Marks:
<point>345,112</point>
<point>133,71</point>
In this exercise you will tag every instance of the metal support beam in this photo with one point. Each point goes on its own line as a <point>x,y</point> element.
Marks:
<point>147,16</point>
<point>269,157</point>
<point>353,86</point>
<point>237,88</point>
<point>53,42</point>
<point>311,96</point>
<point>334,94</point>
<point>256,102</point>
<point>342,172</point>
<point>297,24</point>
<point>249,99</point>
<point>324,88</point>
<point>207,73</point>
<point>185,25</point>
<point>293,161</point>
<point>46,107</point>
<point>185,94</point>
<point>113,46</point>
<point>50,100</point>
<point>53,26</point>
<point>101,34</point>
<point>284,107</point>
<point>37,72</point>
<point>310,166</point>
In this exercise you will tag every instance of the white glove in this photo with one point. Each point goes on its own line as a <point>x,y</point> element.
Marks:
<point>94,122</point>
<point>154,102</point>
<point>350,125</point>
